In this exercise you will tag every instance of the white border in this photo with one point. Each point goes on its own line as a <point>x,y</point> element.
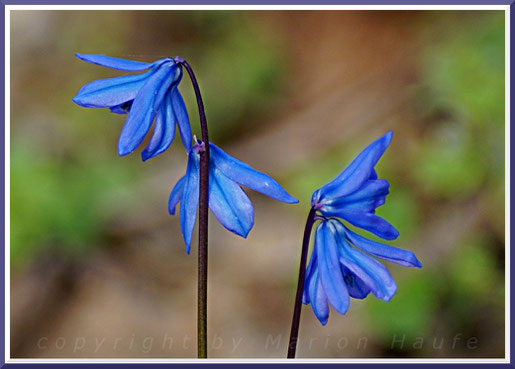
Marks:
<point>9,8</point>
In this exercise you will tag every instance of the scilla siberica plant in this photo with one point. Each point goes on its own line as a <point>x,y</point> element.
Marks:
<point>340,265</point>
<point>214,182</point>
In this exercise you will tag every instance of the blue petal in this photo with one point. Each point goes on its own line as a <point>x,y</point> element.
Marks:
<point>329,267</point>
<point>370,271</point>
<point>181,116</point>
<point>358,171</point>
<point>176,195</point>
<point>189,200</point>
<point>122,108</point>
<point>370,189</point>
<point>357,288</point>
<point>164,130</point>
<point>110,92</point>
<point>230,204</point>
<point>117,63</point>
<point>366,199</point>
<point>310,271</point>
<point>367,221</point>
<point>318,299</point>
<point>386,252</point>
<point>143,109</point>
<point>246,176</point>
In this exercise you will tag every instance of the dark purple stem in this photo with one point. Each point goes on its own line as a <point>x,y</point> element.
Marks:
<point>292,346</point>
<point>203,217</point>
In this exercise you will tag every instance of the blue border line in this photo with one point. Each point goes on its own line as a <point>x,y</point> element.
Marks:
<point>207,2</point>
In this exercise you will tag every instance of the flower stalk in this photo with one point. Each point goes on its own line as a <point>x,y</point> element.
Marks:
<point>203,219</point>
<point>294,333</point>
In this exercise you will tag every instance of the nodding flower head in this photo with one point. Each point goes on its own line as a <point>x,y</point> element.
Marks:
<point>341,264</point>
<point>227,200</point>
<point>356,192</point>
<point>148,97</point>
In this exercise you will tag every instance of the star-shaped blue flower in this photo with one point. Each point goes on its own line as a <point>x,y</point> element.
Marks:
<point>145,97</point>
<point>227,200</point>
<point>341,265</point>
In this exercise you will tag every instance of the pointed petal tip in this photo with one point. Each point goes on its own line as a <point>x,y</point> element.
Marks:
<point>388,297</point>
<point>389,234</point>
<point>412,261</point>
<point>290,200</point>
<point>387,138</point>
<point>389,135</point>
<point>417,263</point>
<point>125,148</point>
<point>145,155</point>
<point>122,150</point>
<point>246,233</point>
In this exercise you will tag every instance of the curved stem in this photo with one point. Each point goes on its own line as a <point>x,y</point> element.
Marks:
<point>203,218</point>
<point>294,334</point>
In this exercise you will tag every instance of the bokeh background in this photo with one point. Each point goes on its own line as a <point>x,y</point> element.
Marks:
<point>98,267</point>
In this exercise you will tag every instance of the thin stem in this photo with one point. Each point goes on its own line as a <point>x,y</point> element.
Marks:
<point>203,217</point>
<point>292,346</point>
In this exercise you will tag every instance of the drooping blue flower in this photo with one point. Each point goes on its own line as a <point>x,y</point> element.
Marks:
<point>342,263</point>
<point>149,97</point>
<point>227,200</point>
<point>356,192</point>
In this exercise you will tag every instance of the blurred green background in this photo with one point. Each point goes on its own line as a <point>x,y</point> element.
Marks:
<point>98,267</point>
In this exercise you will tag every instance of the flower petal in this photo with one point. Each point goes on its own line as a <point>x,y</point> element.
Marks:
<point>377,188</point>
<point>117,63</point>
<point>367,221</point>
<point>358,171</point>
<point>143,109</point>
<point>110,92</point>
<point>357,288</point>
<point>189,200</point>
<point>246,176</point>
<point>310,271</point>
<point>318,299</point>
<point>370,271</point>
<point>369,197</point>
<point>181,116</point>
<point>386,252</point>
<point>329,267</point>
<point>164,130</point>
<point>230,204</point>
<point>176,195</point>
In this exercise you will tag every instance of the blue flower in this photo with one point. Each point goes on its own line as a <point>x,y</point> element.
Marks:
<point>227,200</point>
<point>153,94</point>
<point>356,192</point>
<point>340,265</point>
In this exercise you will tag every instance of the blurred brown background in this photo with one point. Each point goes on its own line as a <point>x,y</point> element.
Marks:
<point>98,267</point>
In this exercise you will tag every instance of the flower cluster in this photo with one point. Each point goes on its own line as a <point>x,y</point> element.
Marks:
<point>154,97</point>
<point>144,97</point>
<point>340,267</point>
<point>227,200</point>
